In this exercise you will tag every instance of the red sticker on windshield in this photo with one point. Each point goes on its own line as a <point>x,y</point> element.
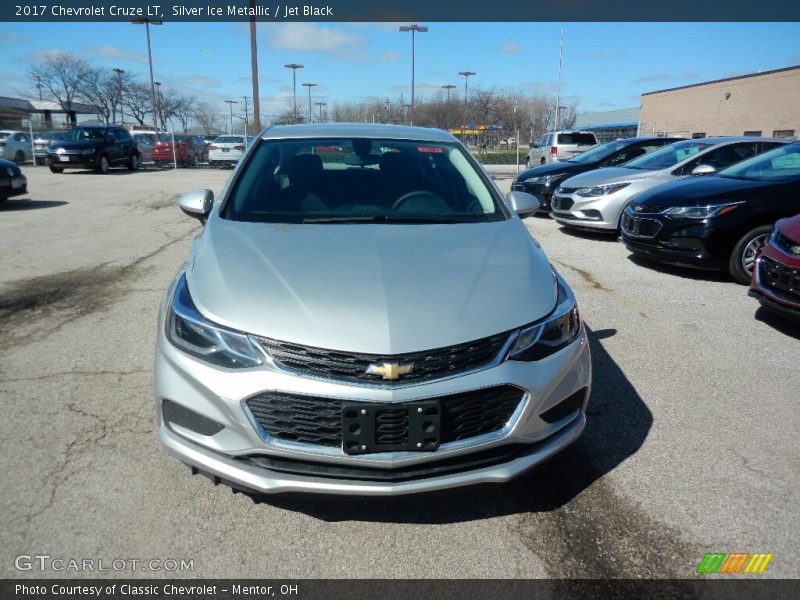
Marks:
<point>430,149</point>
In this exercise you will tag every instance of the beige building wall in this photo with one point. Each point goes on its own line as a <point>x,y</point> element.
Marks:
<point>767,102</point>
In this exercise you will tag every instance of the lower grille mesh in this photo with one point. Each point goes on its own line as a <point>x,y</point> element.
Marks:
<point>318,421</point>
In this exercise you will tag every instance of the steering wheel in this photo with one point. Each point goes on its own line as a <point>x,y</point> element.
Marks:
<point>422,195</point>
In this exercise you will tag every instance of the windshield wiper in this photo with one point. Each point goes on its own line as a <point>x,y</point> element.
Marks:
<point>388,219</point>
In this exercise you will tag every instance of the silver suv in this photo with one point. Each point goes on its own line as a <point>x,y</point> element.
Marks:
<point>559,145</point>
<point>364,313</point>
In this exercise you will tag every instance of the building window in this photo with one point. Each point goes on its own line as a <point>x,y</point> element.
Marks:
<point>753,133</point>
<point>783,133</point>
<point>698,135</point>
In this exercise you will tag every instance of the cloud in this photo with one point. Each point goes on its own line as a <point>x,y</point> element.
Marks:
<point>510,48</point>
<point>9,37</point>
<point>312,37</point>
<point>540,87</point>
<point>668,77</point>
<point>113,52</point>
<point>387,57</point>
<point>37,56</point>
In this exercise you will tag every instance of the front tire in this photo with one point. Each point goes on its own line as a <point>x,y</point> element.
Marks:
<point>19,157</point>
<point>742,260</point>
<point>56,169</point>
<point>103,166</point>
<point>133,163</point>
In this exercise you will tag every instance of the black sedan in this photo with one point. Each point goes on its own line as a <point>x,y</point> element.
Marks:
<point>12,181</point>
<point>716,222</point>
<point>542,181</point>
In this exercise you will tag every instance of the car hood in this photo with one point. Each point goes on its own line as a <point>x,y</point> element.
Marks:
<point>372,288</point>
<point>607,175</point>
<point>791,228</point>
<point>700,191</point>
<point>555,168</point>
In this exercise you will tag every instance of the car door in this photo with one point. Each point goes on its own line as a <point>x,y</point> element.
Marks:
<point>112,147</point>
<point>22,143</point>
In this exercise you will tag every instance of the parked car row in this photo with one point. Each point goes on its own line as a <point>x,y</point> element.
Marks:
<point>710,203</point>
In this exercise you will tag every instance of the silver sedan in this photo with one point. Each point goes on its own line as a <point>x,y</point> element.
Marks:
<point>364,313</point>
<point>595,200</point>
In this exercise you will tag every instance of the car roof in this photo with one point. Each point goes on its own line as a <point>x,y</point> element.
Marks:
<point>356,130</point>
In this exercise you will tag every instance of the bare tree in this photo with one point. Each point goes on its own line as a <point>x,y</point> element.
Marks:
<point>62,74</point>
<point>137,101</point>
<point>206,116</point>
<point>184,109</point>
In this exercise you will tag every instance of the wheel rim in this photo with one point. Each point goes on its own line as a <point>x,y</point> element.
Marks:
<point>749,253</point>
<point>135,162</point>
<point>104,164</point>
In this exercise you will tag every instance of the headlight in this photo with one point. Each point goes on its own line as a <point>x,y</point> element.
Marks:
<point>602,190</point>
<point>552,333</point>
<point>89,151</point>
<point>543,180</point>
<point>187,329</point>
<point>60,151</point>
<point>700,212</point>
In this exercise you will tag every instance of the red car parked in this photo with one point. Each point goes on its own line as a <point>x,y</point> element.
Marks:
<point>190,150</point>
<point>776,276</point>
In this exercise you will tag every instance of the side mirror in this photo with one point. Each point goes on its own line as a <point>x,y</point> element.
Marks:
<point>197,203</point>
<point>703,170</point>
<point>522,203</point>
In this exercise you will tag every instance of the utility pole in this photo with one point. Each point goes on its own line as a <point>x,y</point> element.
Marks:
<point>147,22</point>
<point>558,87</point>
<point>466,75</point>
<point>309,86</point>
<point>119,73</point>
<point>157,107</point>
<point>39,85</point>
<point>230,104</point>
<point>246,116</point>
<point>413,29</point>
<point>321,104</point>
<point>254,72</point>
<point>294,67</point>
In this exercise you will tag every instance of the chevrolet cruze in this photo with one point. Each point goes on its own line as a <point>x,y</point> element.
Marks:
<point>364,313</point>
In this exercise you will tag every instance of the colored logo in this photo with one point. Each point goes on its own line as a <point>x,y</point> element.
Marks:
<point>733,563</point>
<point>390,370</point>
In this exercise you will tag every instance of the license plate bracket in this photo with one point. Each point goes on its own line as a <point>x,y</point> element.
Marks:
<point>406,427</point>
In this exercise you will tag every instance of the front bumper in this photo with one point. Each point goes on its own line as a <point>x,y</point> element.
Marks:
<point>230,454</point>
<point>688,257</point>
<point>13,186</point>
<point>600,213</point>
<point>73,161</point>
<point>779,299</point>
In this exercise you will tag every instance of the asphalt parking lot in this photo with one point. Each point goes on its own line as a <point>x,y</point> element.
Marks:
<point>691,443</point>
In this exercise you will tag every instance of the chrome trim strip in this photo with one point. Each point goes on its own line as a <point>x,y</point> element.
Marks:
<point>399,384</point>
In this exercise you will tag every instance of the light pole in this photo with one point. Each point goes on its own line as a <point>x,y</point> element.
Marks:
<point>147,22</point>
<point>119,73</point>
<point>39,85</point>
<point>294,67</point>
<point>466,75</point>
<point>448,87</point>
<point>558,88</point>
<point>158,105</point>
<point>413,29</point>
<point>254,73</point>
<point>230,104</point>
<point>309,86</point>
<point>320,104</point>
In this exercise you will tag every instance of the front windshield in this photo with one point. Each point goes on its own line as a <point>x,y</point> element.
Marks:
<point>335,180</point>
<point>86,134</point>
<point>598,153</point>
<point>780,164</point>
<point>668,156</point>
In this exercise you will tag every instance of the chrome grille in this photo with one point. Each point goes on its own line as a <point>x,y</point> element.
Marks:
<point>639,227</point>
<point>427,364</point>
<point>781,279</point>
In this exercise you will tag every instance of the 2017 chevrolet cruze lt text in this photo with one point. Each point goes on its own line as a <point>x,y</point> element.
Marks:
<point>364,313</point>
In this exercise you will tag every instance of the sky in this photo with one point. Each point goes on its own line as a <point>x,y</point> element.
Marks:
<point>605,66</point>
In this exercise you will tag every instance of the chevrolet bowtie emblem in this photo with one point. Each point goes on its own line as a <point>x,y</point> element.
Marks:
<point>389,370</point>
<point>795,250</point>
